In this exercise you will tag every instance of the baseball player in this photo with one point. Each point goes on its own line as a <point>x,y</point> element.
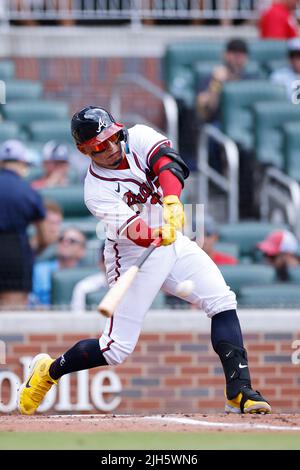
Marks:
<point>134,184</point>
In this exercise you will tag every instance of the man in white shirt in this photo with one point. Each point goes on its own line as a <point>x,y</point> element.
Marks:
<point>289,76</point>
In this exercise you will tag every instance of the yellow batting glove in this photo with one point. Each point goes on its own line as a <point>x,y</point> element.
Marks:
<point>173,212</point>
<point>167,232</point>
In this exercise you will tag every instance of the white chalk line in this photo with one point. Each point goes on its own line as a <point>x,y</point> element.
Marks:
<point>170,419</point>
<point>247,426</point>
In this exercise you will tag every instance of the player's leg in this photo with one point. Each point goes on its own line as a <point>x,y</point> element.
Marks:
<point>120,335</point>
<point>212,295</point>
<point>122,331</point>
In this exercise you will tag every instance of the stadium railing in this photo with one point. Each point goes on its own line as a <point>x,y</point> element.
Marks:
<point>134,11</point>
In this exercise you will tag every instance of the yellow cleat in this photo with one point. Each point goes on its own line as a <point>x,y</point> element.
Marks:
<point>36,385</point>
<point>248,401</point>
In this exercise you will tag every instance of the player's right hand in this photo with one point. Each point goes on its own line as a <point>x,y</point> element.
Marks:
<point>167,233</point>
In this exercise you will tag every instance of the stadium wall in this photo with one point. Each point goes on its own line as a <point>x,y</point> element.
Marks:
<point>173,368</point>
<point>79,81</point>
<point>80,64</point>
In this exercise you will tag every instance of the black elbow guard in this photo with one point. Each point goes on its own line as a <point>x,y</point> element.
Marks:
<point>177,166</point>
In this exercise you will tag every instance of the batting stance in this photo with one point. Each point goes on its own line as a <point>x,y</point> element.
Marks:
<point>134,184</point>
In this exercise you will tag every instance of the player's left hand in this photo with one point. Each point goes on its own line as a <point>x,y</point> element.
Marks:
<point>173,212</point>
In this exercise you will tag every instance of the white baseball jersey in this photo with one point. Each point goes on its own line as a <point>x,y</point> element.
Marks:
<point>118,197</point>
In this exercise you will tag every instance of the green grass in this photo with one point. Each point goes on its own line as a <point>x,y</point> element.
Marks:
<point>135,441</point>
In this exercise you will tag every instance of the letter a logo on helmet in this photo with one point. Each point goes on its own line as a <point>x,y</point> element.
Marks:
<point>102,124</point>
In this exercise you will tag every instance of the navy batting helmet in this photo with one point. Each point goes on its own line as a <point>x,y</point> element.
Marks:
<point>92,126</point>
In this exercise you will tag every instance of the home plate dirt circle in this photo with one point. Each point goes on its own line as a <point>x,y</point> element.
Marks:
<point>170,423</point>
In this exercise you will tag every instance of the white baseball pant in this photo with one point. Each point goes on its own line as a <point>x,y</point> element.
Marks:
<point>166,267</point>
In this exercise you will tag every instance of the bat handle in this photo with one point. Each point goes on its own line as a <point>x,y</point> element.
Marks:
<point>156,242</point>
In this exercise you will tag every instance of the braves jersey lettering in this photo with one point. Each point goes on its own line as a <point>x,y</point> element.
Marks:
<point>146,190</point>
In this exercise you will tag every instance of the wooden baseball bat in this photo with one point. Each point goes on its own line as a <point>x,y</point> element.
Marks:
<point>111,300</point>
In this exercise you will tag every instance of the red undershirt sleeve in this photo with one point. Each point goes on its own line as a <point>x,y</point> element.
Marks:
<point>169,183</point>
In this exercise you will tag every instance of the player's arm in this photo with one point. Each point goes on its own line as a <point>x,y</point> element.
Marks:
<point>120,219</point>
<point>143,235</point>
<point>171,171</point>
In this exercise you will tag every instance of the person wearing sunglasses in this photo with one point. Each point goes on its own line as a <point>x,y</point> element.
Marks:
<point>133,186</point>
<point>70,250</point>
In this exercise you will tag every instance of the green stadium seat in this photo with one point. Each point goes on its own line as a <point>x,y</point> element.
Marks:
<point>268,119</point>
<point>263,51</point>
<point>9,130</point>
<point>280,295</point>
<point>247,234</point>
<point>7,69</point>
<point>43,131</point>
<point>23,90</point>
<point>159,302</point>
<point>64,281</point>
<point>23,113</point>
<point>93,298</point>
<point>273,65</point>
<point>91,258</point>
<point>242,275</point>
<point>291,135</point>
<point>294,274</point>
<point>69,198</point>
<point>231,249</point>
<point>179,60</point>
<point>237,101</point>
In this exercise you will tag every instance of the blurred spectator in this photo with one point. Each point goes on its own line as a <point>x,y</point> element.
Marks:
<point>56,166</point>
<point>211,237</point>
<point>20,206</point>
<point>88,285</point>
<point>53,225</point>
<point>281,249</point>
<point>279,20</point>
<point>53,221</point>
<point>233,68</point>
<point>209,110</point>
<point>208,93</point>
<point>70,251</point>
<point>287,76</point>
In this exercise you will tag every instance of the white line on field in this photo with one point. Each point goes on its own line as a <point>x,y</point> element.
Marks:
<point>196,422</point>
<point>170,419</point>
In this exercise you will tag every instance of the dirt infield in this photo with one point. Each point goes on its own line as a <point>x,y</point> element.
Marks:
<point>170,423</point>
